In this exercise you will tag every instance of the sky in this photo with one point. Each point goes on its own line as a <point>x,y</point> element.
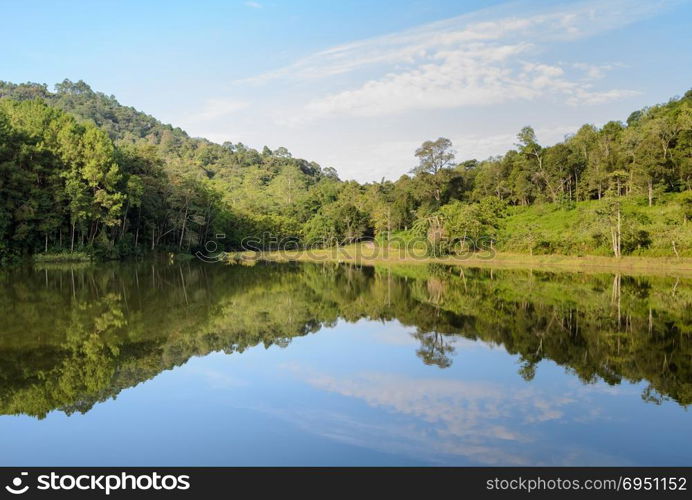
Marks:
<point>358,84</point>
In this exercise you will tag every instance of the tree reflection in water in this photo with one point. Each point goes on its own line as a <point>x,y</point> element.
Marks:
<point>72,336</point>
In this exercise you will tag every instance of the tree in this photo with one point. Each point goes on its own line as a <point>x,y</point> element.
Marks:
<point>611,211</point>
<point>433,156</point>
<point>582,145</point>
<point>529,147</point>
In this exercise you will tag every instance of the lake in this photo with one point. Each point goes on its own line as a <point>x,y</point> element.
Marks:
<point>167,363</point>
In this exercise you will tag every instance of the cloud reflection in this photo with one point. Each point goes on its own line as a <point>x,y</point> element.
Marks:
<point>442,420</point>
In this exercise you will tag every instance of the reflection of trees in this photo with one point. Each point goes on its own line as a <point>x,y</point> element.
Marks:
<point>434,349</point>
<point>76,336</point>
<point>84,362</point>
<point>598,327</point>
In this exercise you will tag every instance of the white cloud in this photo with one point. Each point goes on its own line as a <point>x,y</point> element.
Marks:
<point>594,71</point>
<point>472,77</point>
<point>364,106</point>
<point>517,21</point>
<point>254,5</point>
<point>585,96</point>
<point>217,108</point>
<point>449,65</point>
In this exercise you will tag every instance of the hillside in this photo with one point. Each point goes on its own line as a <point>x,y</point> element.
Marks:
<point>179,151</point>
<point>579,229</point>
<point>182,189</point>
<point>80,171</point>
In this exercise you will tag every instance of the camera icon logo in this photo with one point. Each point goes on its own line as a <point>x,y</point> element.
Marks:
<point>16,487</point>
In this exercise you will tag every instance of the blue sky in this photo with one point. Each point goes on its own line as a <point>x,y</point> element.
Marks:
<point>357,85</point>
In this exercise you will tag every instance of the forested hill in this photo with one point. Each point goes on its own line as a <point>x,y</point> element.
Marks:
<point>121,122</point>
<point>126,124</point>
<point>182,188</point>
<point>79,171</point>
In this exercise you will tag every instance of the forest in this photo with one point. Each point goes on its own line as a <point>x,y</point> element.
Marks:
<point>81,173</point>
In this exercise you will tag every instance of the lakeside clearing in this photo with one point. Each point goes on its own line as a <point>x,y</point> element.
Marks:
<point>373,256</point>
<point>60,257</point>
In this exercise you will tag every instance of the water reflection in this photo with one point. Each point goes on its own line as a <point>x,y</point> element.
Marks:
<point>77,335</point>
<point>481,421</point>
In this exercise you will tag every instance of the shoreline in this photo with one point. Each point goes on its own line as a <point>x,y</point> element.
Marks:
<point>633,265</point>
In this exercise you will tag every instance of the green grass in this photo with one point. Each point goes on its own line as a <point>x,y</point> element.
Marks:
<point>579,230</point>
<point>62,257</point>
<point>357,254</point>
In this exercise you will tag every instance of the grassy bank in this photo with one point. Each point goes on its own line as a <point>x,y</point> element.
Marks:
<point>659,230</point>
<point>369,255</point>
<point>58,257</point>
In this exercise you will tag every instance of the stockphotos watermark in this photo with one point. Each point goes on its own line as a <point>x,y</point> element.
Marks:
<point>104,483</point>
<point>414,248</point>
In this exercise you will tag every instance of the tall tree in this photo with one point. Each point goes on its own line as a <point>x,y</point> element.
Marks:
<point>433,156</point>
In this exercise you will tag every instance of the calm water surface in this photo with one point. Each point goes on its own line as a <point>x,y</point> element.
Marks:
<point>288,364</point>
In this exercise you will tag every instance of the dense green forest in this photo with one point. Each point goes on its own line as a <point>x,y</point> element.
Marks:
<point>79,334</point>
<point>80,172</point>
